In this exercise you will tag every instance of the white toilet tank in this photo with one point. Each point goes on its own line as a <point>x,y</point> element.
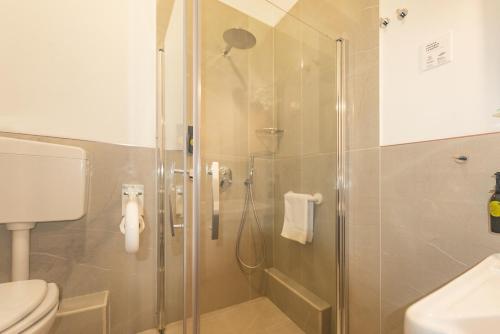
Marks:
<point>41,182</point>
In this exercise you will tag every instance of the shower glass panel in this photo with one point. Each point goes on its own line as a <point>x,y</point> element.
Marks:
<point>172,158</point>
<point>258,92</point>
<point>267,126</point>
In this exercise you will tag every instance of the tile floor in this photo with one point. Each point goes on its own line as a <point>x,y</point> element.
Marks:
<point>257,316</point>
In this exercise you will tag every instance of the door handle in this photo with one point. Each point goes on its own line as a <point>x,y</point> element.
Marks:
<point>171,213</point>
<point>213,171</point>
<point>168,199</point>
<point>222,178</point>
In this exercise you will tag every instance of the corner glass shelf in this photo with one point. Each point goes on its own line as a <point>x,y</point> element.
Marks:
<point>270,131</point>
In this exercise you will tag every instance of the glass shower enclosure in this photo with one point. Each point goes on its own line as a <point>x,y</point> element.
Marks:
<point>250,112</point>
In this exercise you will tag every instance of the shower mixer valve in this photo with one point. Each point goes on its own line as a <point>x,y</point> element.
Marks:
<point>226,177</point>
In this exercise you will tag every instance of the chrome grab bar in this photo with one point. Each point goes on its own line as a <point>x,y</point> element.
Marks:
<point>222,179</point>
<point>171,213</point>
<point>169,200</point>
<point>171,217</point>
<point>213,171</point>
<point>182,171</point>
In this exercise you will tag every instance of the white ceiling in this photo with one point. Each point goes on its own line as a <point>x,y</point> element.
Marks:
<point>263,10</point>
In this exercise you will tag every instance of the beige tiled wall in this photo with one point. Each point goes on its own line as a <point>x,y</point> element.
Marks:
<point>305,159</point>
<point>364,242</point>
<point>357,22</point>
<point>88,255</point>
<point>237,99</point>
<point>364,161</point>
<point>435,218</point>
<point>417,218</point>
<point>288,81</point>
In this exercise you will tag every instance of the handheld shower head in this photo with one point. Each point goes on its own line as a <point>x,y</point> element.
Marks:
<point>238,38</point>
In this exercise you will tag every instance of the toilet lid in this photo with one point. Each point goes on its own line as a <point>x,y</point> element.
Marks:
<point>18,299</point>
<point>49,303</point>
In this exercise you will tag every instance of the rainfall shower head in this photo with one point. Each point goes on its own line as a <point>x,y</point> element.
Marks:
<point>238,38</point>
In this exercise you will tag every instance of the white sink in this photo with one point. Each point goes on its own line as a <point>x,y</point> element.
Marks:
<point>470,304</point>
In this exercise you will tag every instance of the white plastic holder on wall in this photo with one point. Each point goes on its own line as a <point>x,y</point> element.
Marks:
<point>132,223</point>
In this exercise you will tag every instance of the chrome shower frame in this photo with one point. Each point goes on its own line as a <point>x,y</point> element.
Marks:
<point>196,215</point>
<point>342,288</point>
<point>160,192</point>
<point>341,185</point>
<point>192,291</point>
<point>162,199</point>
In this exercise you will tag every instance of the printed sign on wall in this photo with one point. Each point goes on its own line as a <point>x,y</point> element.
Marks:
<point>436,53</point>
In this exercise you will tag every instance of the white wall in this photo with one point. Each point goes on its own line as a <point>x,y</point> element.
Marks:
<point>456,99</point>
<point>175,79</point>
<point>79,69</point>
<point>269,12</point>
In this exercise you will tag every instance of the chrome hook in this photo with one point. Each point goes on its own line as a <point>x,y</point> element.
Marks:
<point>461,159</point>
<point>384,22</point>
<point>402,13</point>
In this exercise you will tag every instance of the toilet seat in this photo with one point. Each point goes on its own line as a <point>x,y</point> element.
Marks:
<point>48,305</point>
<point>19,299</point>
<point>24,303</point>
<point>43,326</point>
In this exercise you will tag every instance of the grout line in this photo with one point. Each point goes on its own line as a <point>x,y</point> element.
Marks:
<point>305,156</point>
<point>289,14</point>
<point>360,51</point>
<point>364,149</point>
<point>73,141</point>
<point>443,139</point>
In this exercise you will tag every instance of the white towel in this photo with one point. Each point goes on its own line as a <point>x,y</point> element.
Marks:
<point>299,217</point>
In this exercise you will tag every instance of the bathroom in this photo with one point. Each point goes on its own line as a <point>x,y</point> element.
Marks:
<point>249,166</point>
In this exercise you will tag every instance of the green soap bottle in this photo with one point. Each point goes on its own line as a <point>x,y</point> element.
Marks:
<point>494,207</point>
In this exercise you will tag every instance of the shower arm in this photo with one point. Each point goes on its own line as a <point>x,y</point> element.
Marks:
<point>227,49</point>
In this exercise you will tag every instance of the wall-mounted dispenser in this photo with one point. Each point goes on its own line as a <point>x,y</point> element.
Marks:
<point>132,223</point>
<point>494,207</point>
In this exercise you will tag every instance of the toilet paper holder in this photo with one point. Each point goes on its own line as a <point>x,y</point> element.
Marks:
<point>132,223</point>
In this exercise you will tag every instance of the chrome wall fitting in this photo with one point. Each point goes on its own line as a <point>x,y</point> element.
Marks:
<point>384,22</point>
<point>402,13</point>
<point>461,159</point>
<point>226,177</point>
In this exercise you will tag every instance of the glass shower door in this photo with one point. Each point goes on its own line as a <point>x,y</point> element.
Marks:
<point>173,161</point>
<point>265,125</point>
<point>249,107</point>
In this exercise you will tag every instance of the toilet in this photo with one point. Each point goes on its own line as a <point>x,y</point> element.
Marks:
<point>28,307</point>
<point>47,183</point>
